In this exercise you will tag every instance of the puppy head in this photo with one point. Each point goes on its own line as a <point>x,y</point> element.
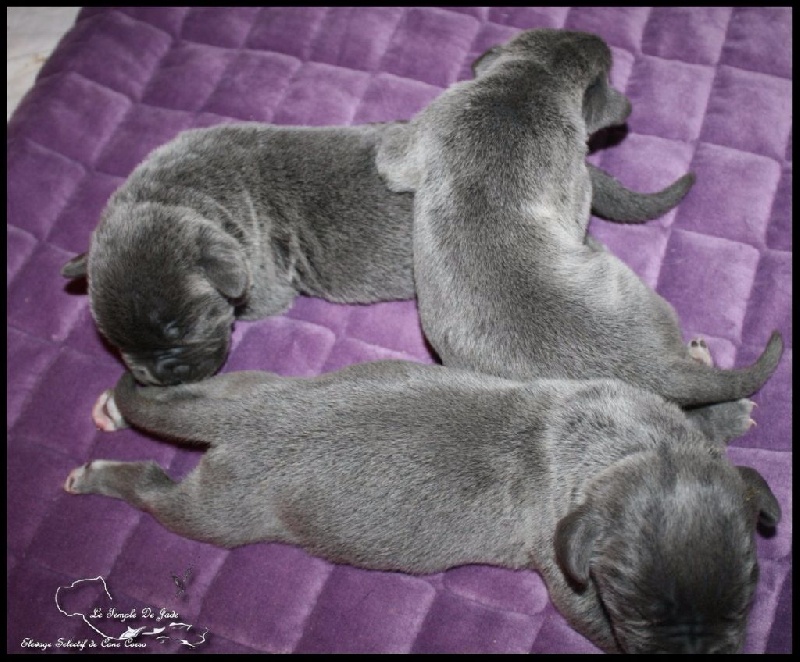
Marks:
<point>163,289</point>
<point>578,60</point>
<point>669,548</point>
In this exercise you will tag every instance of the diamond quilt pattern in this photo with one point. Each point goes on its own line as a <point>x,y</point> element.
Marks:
<point>711,91</point>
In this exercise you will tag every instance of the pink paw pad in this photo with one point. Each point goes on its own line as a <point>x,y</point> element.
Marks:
<point>105,414</point>
<point>698,350</point>
<point>74,478</point>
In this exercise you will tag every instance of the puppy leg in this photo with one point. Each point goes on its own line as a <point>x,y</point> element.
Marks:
<point>202,506</point>
<point>723,421</point>
<point>198,412</point>
<point>108,418</point>
<point>139,483</point>
<point>145,486</point>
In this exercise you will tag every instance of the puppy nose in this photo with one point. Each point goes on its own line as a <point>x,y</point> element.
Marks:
<point>170,370</point>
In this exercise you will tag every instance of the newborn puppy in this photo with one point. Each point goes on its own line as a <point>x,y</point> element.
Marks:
<point>234,221</point>
<point>642,529</point>
<point>507,281</point>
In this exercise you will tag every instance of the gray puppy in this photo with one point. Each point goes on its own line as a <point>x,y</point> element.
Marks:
<point>627,506</point>
<point>507,281</point>
<point>234,221</point>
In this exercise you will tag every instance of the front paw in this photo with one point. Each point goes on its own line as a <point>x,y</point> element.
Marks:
<point>105,414</point>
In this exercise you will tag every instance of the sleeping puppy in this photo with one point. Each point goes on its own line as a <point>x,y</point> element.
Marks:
<point>627,505</point>
<point>234,221</point>
<point>507,281</point>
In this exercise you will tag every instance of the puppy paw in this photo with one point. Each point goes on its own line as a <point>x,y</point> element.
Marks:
<point>744,409</point>
<point>84,479</point>
<point>73,482</point>
<point>105,414</point>
<point>725,420</point>
<point>698,350</point>
<point>76,480</point>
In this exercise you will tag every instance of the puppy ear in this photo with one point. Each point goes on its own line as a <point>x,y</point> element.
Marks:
<point>76,267</point>
<point>603,106</point>
<point>225,267</point>
<point>483,62</point>
<point>398,159</point>
<point>758,495</point>
<point>576,535</point>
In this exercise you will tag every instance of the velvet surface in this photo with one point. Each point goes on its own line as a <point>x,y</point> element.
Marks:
<point>711,93</point>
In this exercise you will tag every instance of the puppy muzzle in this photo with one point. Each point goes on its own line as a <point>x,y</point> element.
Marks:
<point>178,365</point>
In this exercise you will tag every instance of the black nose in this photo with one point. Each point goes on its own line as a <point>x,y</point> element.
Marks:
<point>171,370</point>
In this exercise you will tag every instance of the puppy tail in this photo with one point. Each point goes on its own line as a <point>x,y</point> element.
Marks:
<point>693,383</point>
<point>612,201</point>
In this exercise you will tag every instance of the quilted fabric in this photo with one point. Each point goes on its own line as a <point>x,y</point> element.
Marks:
<point>711,93</point>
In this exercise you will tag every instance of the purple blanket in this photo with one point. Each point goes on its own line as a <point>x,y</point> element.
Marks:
<point>711,93</point>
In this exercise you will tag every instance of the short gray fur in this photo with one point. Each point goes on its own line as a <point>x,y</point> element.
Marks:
<point>639,524</point>
<point>232,222</point>
<point>508,283</point>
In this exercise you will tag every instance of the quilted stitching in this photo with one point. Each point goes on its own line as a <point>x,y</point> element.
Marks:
<point>711,91</point>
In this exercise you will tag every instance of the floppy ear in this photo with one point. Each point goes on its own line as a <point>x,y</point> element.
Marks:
<point>398,159</point>
<point>758,495</point>
<point>76,267</point>
<point>225,266</point>
<point>483,62</point>
<point>603,106</point>
<point>576,535</point>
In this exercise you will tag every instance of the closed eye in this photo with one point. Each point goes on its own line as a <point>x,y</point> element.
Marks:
<point>172,331</point>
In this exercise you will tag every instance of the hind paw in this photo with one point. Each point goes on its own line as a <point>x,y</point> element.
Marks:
<point>725,420</point>
<point>85,478</point>
<point>105,414</point>
<point>75,481</point>
<point>734,419</point>
<point>698,350</point>
<point>79,479</point>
